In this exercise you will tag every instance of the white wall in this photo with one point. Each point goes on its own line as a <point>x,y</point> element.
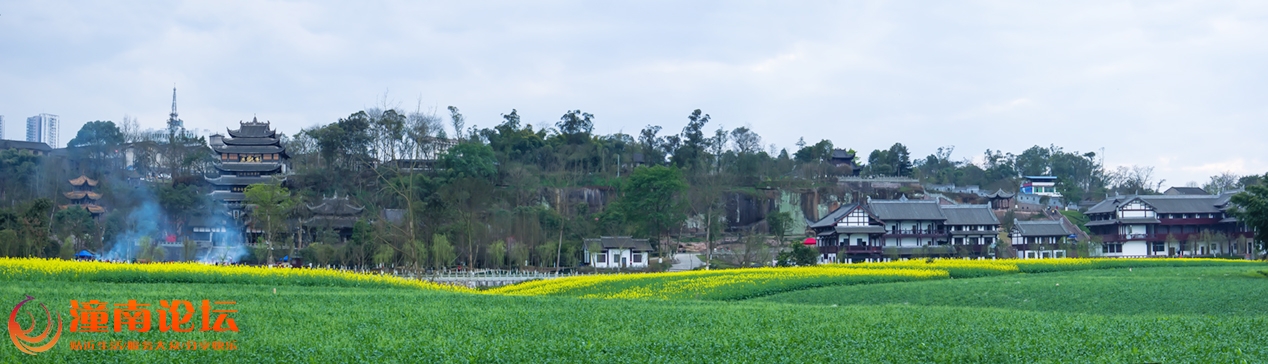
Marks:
<point>1135,248</point>
<point>613,260</point>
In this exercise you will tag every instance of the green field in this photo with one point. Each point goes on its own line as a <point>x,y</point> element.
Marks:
<point>1168,314</point>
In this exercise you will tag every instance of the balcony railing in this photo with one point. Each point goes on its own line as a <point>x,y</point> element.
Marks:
<point>919,233</point>
<point>850,249</point>
<point>1163,236</point>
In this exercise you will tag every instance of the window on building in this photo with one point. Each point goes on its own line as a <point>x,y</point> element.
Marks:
<point>988,240</point>
<point>603,258</point>
<point>638,258</point>
<point>973,228</point>
<point>959,240</point>
<point>973,240</point>
<point>1159,247</point>
<point>1111,248</point>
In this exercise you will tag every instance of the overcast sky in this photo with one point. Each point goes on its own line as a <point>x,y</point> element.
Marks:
<point>1179,86</point>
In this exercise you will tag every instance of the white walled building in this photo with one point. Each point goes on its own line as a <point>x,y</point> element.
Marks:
<point>882,229</point>
<point>972,227</point>
<point>1040,239</point>
<point>617,252</point>
<point>910,223</point>
<point>1169,225</point>
<point>1040,185</point>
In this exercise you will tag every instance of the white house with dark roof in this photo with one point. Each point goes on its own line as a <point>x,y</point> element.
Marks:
<point>910,223</point>
<point>1040,239</point>
<point>850,229</point>
<point>1142,225</point>
<point>617,252</point>
<point>971,227</point>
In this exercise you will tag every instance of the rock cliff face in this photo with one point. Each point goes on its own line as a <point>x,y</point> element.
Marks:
<point>579,200</point>
<point>743,210</point>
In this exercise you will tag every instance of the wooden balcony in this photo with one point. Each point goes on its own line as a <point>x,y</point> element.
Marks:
<point>926,233</point>
<point>1108,238</point>
<point>850,249</point>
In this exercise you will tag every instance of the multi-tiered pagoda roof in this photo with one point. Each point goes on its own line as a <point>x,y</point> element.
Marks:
<point>84,195</point>
<point>251,154</point>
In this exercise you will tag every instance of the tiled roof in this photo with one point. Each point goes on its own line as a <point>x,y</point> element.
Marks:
<point>832,217</point>
<point>1000,194</point>
<point>842,154</point>
<point>248,167</point>
<point>1185,191</point>
<point>244,149</point>
<point>906,210</point>
<point>338,206</point>
<point>22,144</point>
<point>239,181</point>
<point>621,242</point>
<point>1041,228</point>
<point>250,141</point>
<point>1165,204</point>
<point>969,215</point>
<point>252,129</point>
<point>81,180</point>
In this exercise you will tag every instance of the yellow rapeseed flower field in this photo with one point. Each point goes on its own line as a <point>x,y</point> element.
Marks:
<point>714,284</point>
<point>55,269</point>
<point>725,284</point>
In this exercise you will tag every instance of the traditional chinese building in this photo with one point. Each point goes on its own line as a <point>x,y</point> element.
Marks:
<point>843,159</point>
<point>1001,200</point>
<point>84,195</point>
<point>336,214</point>
<point>251,154</point>
<point>1169,225</point>
<point>1041,239</point>
<point>902,228</point>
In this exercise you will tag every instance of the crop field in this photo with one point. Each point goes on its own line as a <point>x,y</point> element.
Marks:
<point>1148,311</point>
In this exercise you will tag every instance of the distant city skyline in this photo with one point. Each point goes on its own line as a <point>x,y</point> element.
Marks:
<point>1175,85</point>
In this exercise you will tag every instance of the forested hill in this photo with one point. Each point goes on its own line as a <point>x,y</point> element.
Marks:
<point>501,195</point>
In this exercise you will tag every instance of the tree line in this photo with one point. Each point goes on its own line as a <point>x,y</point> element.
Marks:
<point>501,196</point>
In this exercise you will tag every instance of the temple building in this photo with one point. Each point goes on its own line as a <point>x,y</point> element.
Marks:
<point>1001,200</point>
<point>335,215</point>
<point>84,195</point>
<point>251,154</point>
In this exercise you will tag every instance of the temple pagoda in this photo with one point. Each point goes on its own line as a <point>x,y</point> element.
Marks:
<point>335,213</point>
<point>251,154</point>
<point>84,195</point>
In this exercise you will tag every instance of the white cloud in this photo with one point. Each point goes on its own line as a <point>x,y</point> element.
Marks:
<point>1176,80</point>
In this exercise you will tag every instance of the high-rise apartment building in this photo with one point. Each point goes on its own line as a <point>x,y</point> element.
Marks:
<point>1,127</point>
<point>42,128</point>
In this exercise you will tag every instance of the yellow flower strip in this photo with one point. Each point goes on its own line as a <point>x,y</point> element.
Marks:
<point>722,284</point>
<point>56,269</point>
